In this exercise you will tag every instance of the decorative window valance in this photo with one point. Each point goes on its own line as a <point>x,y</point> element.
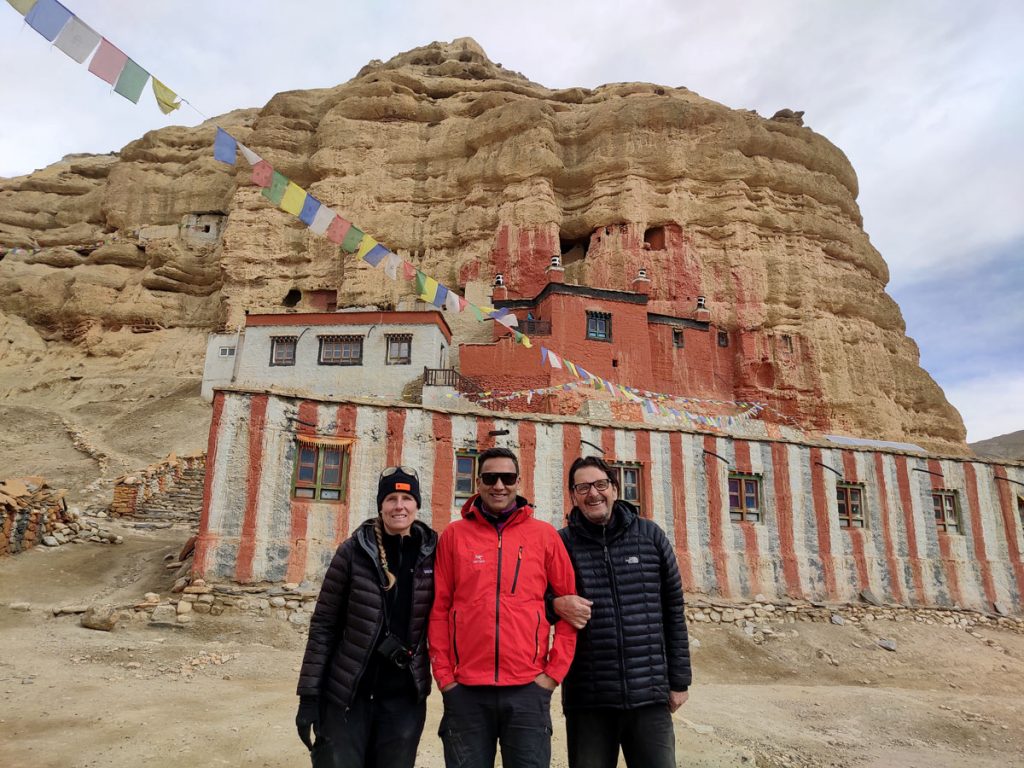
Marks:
<point>324,440</point>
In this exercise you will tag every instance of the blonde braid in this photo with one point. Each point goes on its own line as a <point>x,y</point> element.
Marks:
<point>378,532</point>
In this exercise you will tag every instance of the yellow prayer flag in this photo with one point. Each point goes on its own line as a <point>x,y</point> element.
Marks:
<point>22,6</point>
<point>166,99</point>
<point>365,246</point>
<point>525,340</point>
<point>294,198</point>
<point>429,289</point>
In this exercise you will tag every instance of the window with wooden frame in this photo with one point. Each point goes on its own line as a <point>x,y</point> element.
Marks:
<point>399,348</point>
<point>744,498</point>
<point>599,326</point>
<point>850,504</point>
<point>678,340</point>
<point>629,475</point>
<point>465,473</point>
<point>321,470</point>
<point>723,338</point>
<point>282,350</point>
<point>341,350</point>
<point>227,351</point>
<point>946,505</point>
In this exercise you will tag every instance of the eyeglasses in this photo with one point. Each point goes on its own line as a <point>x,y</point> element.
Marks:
<point>598,485</point>
<point>491,478</point>
<point>388,471</point>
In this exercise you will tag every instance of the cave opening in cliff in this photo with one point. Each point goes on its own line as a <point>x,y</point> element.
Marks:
<point>573,249</point>
<point>654,238</point>
<point>292,298</point>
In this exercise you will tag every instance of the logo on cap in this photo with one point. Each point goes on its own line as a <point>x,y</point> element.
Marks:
<point>403,487</point>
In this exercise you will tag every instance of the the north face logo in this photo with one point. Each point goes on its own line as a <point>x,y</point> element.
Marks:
<point>632,559</point>
<point>478,560</point>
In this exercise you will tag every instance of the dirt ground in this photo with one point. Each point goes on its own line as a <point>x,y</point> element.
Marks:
<point>221,690</point>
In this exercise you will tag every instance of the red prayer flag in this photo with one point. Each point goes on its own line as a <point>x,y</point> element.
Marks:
<point>262,173</point>
<point>408,270</point>
<point>108,61</point>
<point>337,230</point>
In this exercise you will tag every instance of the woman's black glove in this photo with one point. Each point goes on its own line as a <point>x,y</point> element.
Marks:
<point>308,717</point>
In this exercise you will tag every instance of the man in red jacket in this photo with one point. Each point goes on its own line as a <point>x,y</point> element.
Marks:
<point>488,631</point>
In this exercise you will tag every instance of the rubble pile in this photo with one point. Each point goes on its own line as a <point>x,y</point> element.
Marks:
<point>33,514</point>
<point>170,490</point>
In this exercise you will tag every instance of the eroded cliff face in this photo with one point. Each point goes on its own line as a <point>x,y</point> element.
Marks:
<point>468,169</point>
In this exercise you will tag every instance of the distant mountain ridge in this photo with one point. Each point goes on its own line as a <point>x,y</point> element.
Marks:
<point>1008,446</point>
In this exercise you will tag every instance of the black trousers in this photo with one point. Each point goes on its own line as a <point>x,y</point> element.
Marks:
<point>645,735</point>
<point>378,732</point>
<point>478,717</point>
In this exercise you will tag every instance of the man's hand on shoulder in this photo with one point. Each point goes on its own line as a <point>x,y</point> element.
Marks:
<point>573,609</point>
<point>676,699</point>
<point>545,681</point>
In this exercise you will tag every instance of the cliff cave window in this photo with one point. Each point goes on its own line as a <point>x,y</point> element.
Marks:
<point>573,249</point>
<point>946,505</point>
<point>723,338</point>
<point>465,473</point>
<point>744,498</point>
<point>599,326</point>
<point>678,339</point>
<point>787,343</point>
<point>292,298</point>
<point>629,475</point>
<point>227,351</point>
<point>399,349</point>
<point>654,239</point>
<point>341,350</point>
<point>282,350</point>
<point>850,505</point>
<point>1020,510</point>
<point>321,471</point>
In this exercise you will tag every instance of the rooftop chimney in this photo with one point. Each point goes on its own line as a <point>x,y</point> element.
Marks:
<point>500,291</point>
<point>556,272</point>
<point>642,283</point>
<point>702,313</point>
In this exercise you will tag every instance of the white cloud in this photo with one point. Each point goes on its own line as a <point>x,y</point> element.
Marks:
<point>991,405</point>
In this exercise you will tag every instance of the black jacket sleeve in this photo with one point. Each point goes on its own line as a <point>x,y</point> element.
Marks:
<point>677,642</point>
<point>327,622</point>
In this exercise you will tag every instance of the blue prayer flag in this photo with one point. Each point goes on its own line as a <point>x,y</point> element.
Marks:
<point>376,255</point>
<point>309,209</point>
<point>48,18</point>
<point>225,147</point>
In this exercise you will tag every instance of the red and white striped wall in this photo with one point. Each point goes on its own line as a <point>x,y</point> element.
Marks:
<point>252,530</point>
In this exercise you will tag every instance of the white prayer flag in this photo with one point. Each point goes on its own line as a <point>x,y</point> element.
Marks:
<point>250,157</point>
<point>77,39</point>
<point>322,220</point>
<point>553,359</point>
<point>391,264</point>
<point>451,302</point>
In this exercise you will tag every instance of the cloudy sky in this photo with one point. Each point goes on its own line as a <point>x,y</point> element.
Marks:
<point>926,97</point>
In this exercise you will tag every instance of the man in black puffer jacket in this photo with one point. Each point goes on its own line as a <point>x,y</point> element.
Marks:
<point>632,665</point>
<point>365,675</point>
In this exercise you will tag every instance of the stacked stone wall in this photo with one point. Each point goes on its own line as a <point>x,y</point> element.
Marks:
<point>31,511</point>
<point>169,490</point>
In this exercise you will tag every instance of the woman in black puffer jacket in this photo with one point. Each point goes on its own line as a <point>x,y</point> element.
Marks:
<point>365,675</point>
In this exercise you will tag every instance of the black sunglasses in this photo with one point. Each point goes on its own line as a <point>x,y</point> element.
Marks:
<point>388,471</point>
<point>491,478</point>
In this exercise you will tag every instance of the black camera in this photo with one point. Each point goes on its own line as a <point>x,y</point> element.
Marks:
<point>395,651</point>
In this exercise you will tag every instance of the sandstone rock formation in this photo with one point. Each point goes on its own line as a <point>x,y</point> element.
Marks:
<point>469,169</point>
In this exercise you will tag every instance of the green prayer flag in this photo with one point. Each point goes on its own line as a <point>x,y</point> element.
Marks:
<point>131,81</point>
<point>275,191</point>
<point>353,237</point>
